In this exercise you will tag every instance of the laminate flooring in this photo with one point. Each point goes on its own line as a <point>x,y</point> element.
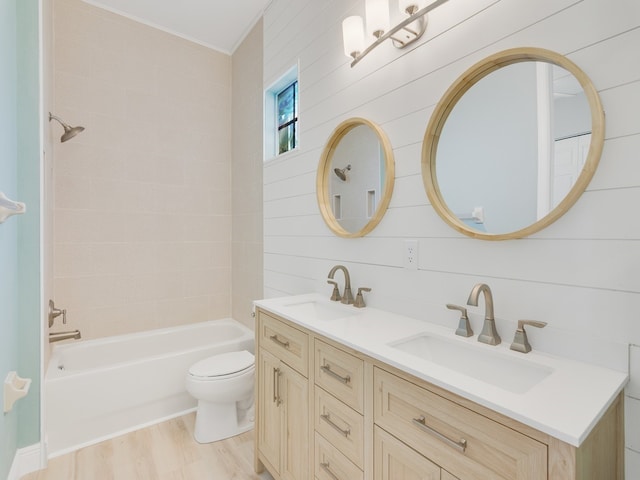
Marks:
<point>165,451</point>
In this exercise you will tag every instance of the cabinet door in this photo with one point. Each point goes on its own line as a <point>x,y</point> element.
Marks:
<point>396,461</point>
<point>269,420</point>
<point>294,392</point>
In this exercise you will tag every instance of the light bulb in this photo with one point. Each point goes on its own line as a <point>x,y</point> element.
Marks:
<point>377,17</point>
<point>353,36</point>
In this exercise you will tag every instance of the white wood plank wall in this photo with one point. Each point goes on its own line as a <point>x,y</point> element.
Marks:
<point>581,274</point>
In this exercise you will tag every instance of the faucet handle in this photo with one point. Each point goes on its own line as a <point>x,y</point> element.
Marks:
<point>359,302</point>
<point>464,327</point>
<point>55,313</point>
<point>520,341</point>
<point>335,296</point>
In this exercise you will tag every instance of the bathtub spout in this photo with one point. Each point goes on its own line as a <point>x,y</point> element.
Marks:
<point>57,336</point>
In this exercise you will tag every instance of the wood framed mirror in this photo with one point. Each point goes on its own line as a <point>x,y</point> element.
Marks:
<point>355,178</point>
<point>512,144</point>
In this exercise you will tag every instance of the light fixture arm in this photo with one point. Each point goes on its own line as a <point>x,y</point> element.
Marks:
<point>410,34</point>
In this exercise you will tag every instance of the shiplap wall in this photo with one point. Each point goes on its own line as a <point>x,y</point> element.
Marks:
<point>581,274</point>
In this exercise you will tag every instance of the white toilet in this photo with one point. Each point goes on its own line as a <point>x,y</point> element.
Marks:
<point>223,385</point>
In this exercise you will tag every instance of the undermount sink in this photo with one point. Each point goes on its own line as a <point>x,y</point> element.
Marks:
<point>504,371</point>
<point>315,310</point>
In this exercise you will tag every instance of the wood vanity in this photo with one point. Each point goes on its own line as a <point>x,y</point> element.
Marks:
<point>326,411</point>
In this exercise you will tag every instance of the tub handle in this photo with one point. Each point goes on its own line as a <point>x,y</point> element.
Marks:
<point>279,342</point>
<point>276,386</point>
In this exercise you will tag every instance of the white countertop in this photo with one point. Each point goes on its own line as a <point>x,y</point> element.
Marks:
<point>566,404</point>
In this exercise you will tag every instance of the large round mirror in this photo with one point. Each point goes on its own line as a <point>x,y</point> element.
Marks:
<point>512,144</point>
<point>355,178</point>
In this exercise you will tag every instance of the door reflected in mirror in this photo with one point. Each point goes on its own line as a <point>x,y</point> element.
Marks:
<point>512,144</point>
<point>355,178</point>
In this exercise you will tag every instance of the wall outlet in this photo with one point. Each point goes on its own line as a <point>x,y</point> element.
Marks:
<point>410,254</point>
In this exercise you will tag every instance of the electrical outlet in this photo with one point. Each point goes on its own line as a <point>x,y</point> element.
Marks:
<point>410,254</point>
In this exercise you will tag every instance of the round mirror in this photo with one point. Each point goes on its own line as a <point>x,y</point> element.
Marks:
<point>512,144</point>
<point>355,178</point>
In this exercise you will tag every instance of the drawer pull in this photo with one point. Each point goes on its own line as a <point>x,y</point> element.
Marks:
<point>275,339</point>
<point>326,468</point>
<point>420,423</point>
<point>276,386</point>
<point>327,369</point>
<point>342,432</point>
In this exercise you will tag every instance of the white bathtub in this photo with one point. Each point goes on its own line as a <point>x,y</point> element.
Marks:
<point>98,389</point>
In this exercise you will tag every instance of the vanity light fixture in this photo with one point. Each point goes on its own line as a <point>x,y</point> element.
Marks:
<point>407,31</point>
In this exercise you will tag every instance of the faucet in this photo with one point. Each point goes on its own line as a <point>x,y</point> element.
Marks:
<point>55,313</point>
<point>347,296</point>
<point>58,336</point>
<point>520,340</point>
<point>489,334</point>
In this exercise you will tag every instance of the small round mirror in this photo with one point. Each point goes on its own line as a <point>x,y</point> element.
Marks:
<point>355,178</point>
<point>512,144</point>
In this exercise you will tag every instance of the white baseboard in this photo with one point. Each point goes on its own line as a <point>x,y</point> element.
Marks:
<point>27,460</point>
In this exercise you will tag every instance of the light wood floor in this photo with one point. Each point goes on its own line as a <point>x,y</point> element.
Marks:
<point>166,451</point>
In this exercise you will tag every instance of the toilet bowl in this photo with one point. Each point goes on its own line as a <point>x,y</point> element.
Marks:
<point>223,385</point>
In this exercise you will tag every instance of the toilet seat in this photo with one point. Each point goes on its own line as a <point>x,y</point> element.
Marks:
<point>224,365</point>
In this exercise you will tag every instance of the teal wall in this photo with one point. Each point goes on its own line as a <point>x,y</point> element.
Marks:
<point>29,151</point>
<point>19,236</point>
<point>9,229</point>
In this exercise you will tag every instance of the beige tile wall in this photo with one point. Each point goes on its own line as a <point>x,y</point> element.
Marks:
<point>247,175</point>
<point>142,197</point>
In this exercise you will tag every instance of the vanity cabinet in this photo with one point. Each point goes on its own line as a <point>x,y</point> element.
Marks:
<point>328,412</point>
<point>282,427</point>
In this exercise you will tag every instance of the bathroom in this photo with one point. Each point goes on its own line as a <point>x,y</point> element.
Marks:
<point>576,274</point>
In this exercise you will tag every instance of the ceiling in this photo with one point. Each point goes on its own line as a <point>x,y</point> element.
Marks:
<point>218,24</point>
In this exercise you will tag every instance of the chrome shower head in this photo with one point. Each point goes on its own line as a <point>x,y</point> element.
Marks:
<point>69,132</point>
<point>342,172</point>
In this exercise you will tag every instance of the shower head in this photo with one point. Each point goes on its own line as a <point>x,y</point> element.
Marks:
<point>342,172</point>
<point>69,132</point>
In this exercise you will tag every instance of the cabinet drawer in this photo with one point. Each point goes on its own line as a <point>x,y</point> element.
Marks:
<point>340,373</point>
<point>396,461</point>
<point>341,425</point>
<point>287,343</point>
<point>330,464</point>
<point>466,444</point>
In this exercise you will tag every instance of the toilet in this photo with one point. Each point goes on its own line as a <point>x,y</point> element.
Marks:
<point>223,385</point>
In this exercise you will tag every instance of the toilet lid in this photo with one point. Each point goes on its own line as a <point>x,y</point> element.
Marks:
<point>222,364</point>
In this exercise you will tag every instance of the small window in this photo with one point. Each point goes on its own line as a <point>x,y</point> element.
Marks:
<point>281,115</point>
<point>287,121</point>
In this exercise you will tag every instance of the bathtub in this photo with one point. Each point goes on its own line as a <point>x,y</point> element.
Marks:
<point>98,389</point>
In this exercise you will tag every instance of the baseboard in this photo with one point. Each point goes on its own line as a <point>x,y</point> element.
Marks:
<point>27,460</point>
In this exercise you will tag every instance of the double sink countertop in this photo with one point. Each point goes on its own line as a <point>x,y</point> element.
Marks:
<point>558,396</point>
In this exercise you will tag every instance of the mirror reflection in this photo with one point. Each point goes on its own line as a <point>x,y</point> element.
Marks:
<point>358,167</point>
<point>512,147</point>
<point>355,178</point>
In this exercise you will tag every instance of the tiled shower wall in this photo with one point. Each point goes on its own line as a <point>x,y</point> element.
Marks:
<point>143,195</point>
<point>581,274</point>
<point>247,175</point>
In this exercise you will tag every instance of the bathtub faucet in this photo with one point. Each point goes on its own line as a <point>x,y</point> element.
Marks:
<point>58,336</point>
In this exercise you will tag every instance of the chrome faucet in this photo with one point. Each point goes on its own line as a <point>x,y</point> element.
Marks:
<point>58,336</point>
<point>489,333</point>
<point>347,296</point>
